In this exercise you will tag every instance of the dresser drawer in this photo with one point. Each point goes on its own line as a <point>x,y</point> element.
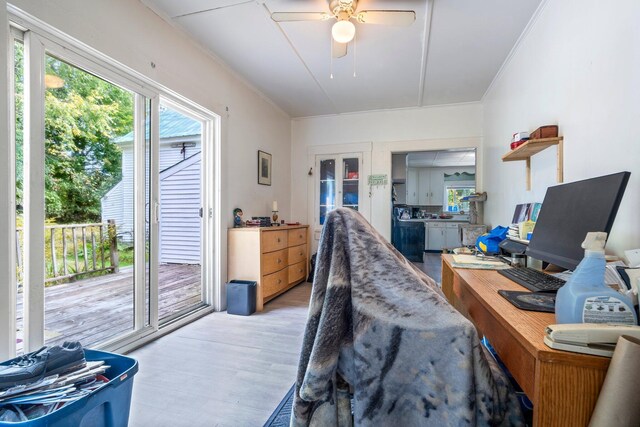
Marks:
<point>274,261</point>
<point>297,272</point>
<point>297,254</point>
<point>297,236</point>
<point>274,240</point>
<point>274,283</point>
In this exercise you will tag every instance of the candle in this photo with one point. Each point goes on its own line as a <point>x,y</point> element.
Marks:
<point>275,206</point>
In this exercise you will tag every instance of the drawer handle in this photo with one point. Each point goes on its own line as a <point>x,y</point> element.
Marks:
<point>278,240</point>
<point>300,271</point>
<point>279,281</point>
<point>279,261</point>
<point>301,254</point>
<point>300,236</point>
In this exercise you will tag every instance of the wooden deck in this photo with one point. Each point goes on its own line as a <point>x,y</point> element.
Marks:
<point>97,309</point>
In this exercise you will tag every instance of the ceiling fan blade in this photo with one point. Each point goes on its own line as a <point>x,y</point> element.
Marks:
<point>300,16</point>
<point>402,18</point>
<point>338,50</point>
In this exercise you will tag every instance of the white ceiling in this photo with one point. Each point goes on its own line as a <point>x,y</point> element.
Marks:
<point>450,54</point>
<point>430,159</point>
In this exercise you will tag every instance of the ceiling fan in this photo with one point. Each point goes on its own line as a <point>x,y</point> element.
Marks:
<point>344,11</point>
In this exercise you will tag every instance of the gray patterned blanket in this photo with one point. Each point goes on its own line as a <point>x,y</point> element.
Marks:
<point>379,323</point>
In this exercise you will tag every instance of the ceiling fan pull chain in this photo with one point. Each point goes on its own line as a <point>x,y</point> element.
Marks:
<point>355,43</point>
<point>331,61</point>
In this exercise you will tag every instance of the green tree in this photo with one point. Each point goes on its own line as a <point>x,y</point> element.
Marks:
<point>81,120</point>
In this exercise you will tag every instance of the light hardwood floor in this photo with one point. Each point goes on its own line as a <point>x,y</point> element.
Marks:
<point>432,265</point>
<point>225,370</point>
<point>221,370</point>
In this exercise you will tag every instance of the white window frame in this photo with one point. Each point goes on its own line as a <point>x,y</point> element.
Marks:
<point>455,185</point>
<point>42,38</point>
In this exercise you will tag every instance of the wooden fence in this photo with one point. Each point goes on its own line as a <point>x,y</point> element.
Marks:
<point>75,249</point>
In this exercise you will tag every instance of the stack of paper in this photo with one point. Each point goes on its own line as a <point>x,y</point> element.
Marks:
<point>39,398</point>
<point>476,262</point>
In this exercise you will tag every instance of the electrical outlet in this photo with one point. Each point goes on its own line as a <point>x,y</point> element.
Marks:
<point>633,257</point>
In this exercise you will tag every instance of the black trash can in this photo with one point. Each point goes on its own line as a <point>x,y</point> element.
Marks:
<point>241,297</point>
<point>312,267</point>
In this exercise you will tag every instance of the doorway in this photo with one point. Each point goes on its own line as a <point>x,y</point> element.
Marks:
<point>428,190</point>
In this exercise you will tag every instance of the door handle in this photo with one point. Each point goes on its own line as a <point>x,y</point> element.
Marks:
<point>201,212</point>
<point>156,212</point>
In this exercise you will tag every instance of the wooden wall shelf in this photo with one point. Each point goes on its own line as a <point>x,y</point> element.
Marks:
<point>532,147</point>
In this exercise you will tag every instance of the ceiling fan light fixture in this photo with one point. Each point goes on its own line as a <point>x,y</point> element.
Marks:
<point>343,31</point>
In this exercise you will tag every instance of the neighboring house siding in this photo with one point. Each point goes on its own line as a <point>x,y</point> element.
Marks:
<point>169,156</point>
<point>111,205</point>
<point>180,221</point>
<point>128,193</point>
<point>179,189</point>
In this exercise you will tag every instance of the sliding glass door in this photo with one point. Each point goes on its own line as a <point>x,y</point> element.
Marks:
<point>90,234</point>
<point>77,228</point>
<point>113,200</point>
<point>180,286</point>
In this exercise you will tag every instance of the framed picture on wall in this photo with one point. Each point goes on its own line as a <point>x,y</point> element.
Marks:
<point>264,168</point>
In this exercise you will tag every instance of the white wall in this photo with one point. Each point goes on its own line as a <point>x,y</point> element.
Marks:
<point>578,67</point>
<point>7,293</point>
<point>418,129</point>
<point>133,35</point>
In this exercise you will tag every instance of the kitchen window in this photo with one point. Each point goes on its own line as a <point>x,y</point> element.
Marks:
<point>454,195</point>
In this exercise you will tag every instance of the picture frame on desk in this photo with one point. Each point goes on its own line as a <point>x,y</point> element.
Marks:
<point>264,168</point>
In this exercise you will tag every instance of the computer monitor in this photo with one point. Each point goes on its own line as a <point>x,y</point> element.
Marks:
<point>569,212</point>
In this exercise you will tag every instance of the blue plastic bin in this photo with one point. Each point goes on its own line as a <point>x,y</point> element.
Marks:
<point>241,297</point>
<point>108,407</point>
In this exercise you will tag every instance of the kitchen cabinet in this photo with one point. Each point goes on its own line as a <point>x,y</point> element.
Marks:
<point>408,238</point>
<point>398,168</point>
<point>424,190</point>
<point>412,186</point>
<point>425,186</point>
<point>442,235</point>
<point>436,187</point>
<point>451,235</point>
<point>435,238</point>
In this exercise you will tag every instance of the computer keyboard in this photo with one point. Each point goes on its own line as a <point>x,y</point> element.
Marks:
<point>534,280</point>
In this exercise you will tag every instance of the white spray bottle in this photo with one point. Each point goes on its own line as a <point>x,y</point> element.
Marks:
<point>585,298</point>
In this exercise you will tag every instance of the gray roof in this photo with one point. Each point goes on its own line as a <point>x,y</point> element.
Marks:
<point>172,125</point>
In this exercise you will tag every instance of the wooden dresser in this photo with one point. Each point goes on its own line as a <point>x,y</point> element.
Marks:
<point>275,257</point>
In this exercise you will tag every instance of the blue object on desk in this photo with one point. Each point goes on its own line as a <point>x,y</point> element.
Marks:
<point>488,243</point>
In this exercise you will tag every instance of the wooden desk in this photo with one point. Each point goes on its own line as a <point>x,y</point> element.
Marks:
<point>563,386</point>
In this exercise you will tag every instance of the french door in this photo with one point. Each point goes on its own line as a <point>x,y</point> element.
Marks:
<point>339,184</point>
<point>96,177</point>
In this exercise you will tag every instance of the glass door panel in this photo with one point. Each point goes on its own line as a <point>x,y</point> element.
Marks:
<point>327,187</point>
<point>180,284</point>
<point>18,85</point>
<point>351,183</point>
<point>90,231</point>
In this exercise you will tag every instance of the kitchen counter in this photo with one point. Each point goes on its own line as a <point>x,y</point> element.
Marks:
<point>454,219</point>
